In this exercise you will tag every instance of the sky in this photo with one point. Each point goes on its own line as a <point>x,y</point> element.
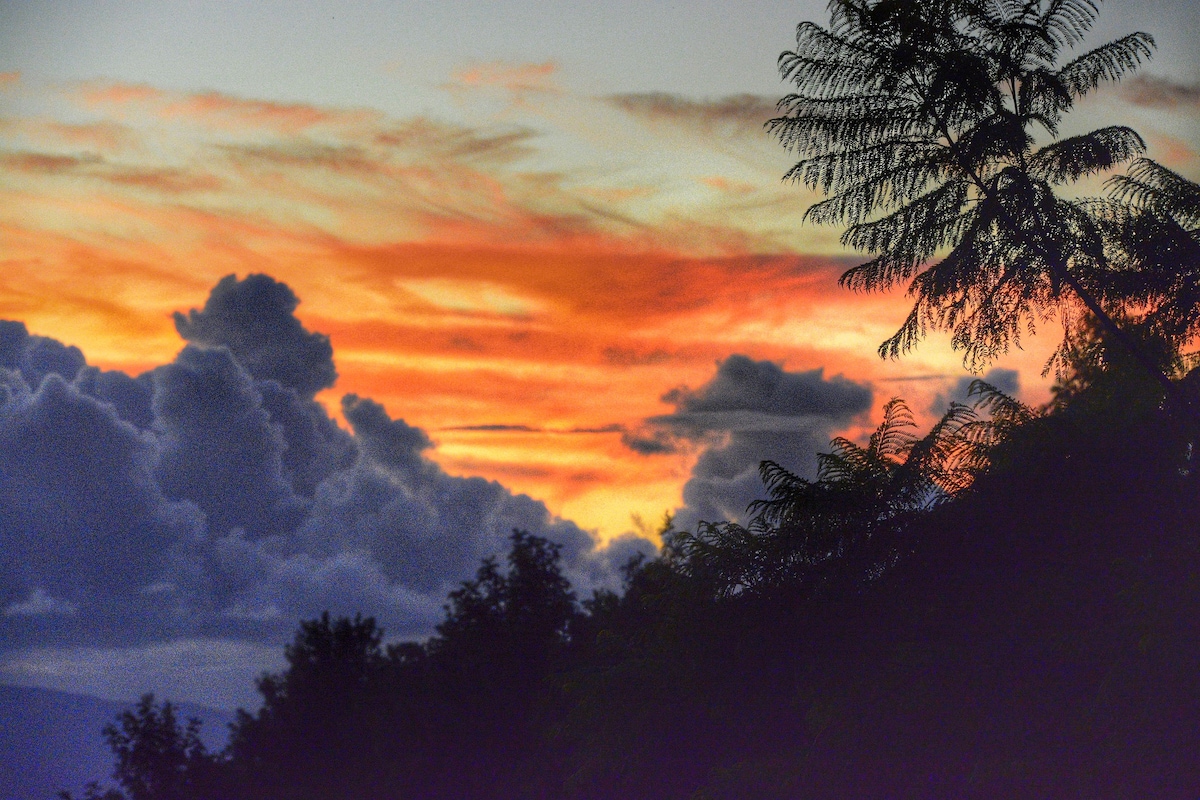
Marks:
<point>354,291</point>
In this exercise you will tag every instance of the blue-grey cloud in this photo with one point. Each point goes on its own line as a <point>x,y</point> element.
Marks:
<point>315,447</point>
<point>210,498</point>
<point>84,523</point>
<point>255,319</point>
<point>217,446</point>
<point>1006,380</point>
<point>749,412</point>
<point>35,357</point>
<point>131,398</point>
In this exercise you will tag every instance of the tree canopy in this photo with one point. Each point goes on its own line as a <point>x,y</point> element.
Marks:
<point>933,129</point>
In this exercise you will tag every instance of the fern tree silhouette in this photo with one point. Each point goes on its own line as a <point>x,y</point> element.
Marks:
<point>1152,220</point>
<point>921,123</point>
<point>808,530</point>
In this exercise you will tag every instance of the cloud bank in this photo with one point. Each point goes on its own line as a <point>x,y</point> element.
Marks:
<point>213,497</point>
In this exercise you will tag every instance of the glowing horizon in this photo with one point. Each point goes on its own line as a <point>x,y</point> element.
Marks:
<point>523,274</point>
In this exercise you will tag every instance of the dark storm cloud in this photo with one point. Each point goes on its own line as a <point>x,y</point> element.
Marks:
<point>132,398</point>
<point>315,446</point>
<point>761,393</point>
<point>749,412</point>
<point>35,357</point>
<point>84,524</point>
<point>650,442</point>
<point>254,318</point>
<point>202,499</point>
<point>390,443</point>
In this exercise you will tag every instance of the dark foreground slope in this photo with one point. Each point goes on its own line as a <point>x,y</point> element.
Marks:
<point>1037,637</point>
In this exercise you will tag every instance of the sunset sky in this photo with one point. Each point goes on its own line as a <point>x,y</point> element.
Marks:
<point>547,235</point>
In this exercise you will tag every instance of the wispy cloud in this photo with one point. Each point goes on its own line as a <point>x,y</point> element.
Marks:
<point>1156,92</point>
<point>730,115</point>
<point>46,163</point>
<point>516,78</point>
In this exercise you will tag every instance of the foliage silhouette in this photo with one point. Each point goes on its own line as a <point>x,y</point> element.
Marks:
<point>455,716</point>
<point>1026,639</point>
<point>806,528</point>
<point>157,757</point>
<point>305,736</point>
<point>1152,222</point>
<point>920,121</point>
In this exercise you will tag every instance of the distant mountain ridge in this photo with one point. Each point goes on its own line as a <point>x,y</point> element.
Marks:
<point>50,740</point>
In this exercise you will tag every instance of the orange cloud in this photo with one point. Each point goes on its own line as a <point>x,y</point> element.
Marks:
<point>221,111</point>
<point>166,181</point>
<point>106,135</point>
<point>45,163</point>
<point>287,118</point>
<point>517,78</point>
<point>722,184</point>
<point>1171,151</point>
<point>118,94</point>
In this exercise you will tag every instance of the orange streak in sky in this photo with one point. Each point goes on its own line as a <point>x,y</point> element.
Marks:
<point>524,317</point>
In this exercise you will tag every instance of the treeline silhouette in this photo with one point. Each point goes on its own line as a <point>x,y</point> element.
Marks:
<point>1002,607</point>
<point>1030,632</point>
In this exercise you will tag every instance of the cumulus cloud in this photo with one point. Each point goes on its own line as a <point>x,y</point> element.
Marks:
<point>84,520</point>
<point>214,497</point>
<point>35,357</point>
<point>217,446</point>
<point>750,411</point>
<point>255,319</point>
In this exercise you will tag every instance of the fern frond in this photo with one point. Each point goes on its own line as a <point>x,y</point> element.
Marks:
<point>1107,63</point>
<point>1066,21</point>
<point>1149,185</point>
<point>1073,158</point>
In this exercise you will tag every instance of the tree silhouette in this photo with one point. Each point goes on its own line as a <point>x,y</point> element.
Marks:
<point>156,757</point>
<point>530,607</point>
<point>306,741</point>
<point>921,122</point>
<point>505,632</point>
<point>1153,223</point>
<point>806,525</point>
